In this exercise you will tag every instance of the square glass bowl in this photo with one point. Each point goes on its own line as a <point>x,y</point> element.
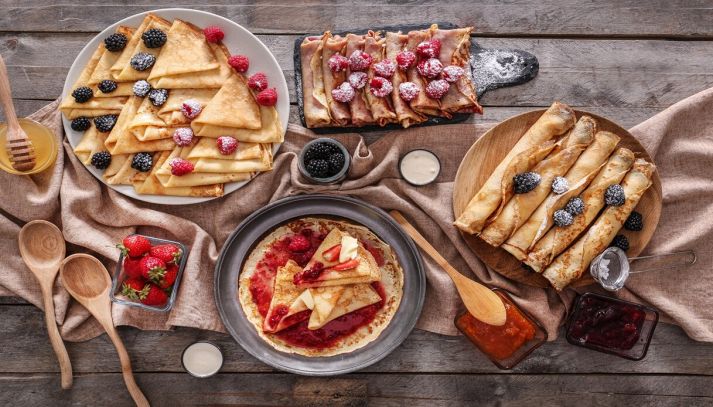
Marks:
<point>119,277</point>
<point>614,319</point>
<point>488,338</point>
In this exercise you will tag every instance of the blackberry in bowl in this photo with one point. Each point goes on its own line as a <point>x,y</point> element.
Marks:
<point>324,161</point>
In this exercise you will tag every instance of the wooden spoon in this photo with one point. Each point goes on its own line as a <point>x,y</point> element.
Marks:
<point>88,282</point>
<point>42,249</point>
<point>480,301</point>
<point>19,147</point>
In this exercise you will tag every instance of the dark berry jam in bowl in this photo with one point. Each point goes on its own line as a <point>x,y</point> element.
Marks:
<point>324,161</point>
<point>611,325</point>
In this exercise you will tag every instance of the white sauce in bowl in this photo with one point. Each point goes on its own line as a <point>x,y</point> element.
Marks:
<point>420,167</point>
<point>202,359</point>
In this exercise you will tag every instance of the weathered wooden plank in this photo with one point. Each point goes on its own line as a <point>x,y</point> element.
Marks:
<point>525,17</point>
<point>25,349</point>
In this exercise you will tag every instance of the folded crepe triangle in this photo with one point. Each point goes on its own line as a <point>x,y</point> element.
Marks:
<point>285,294</point>
<point>122,70</point>
<point>196,178</point>
<point>122,141</point>
<point>152,185</point>
<point>331,303</point>
<point>234,106</point>
<point>186,51</point>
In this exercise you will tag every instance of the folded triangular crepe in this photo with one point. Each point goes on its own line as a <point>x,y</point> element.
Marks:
<point>248,157</point>
<point>233,107</point>
<point>213,79</point>
<point>119,171</point>
<point>92,142</point>
<point>122,141</point>
<point>186,51</point>
<point>103,68</point>
<point>152,122</point>
<point>122,70</point>
<point>207,148</point>
<point>195,178</point>
<point>151,184</point>
<point>331,303</point>
<point>285,302</point>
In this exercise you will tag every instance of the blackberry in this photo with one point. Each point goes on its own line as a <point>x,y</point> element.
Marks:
<point>105,123</point>
<point>142,61</point>
<point>101,160</point>
<point>82,94</point>
<point>158,96</point>
<point>154,38</point>
<point>336,163</point>
<point>575,206</point>
<point>107,86</point>
<point>81,124</point>
<point>318,168</point>
<point>614,195</point>
<point>621,242</point>
<point>141,88</point>
<point>321,150</point>
<point>115,42</point>
<point>560,185</point>
<point>526,182</point>
<point>562,218</point>
<point>142,162</point>
<point>634,222</point>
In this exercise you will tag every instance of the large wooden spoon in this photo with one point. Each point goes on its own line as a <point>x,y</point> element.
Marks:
<point>480,301</point>
<point>88,282</point>
<point>42,249</point>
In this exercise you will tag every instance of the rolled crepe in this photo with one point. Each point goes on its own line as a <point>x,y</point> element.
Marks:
<point>334,45</point>
<point>358,107</point>
<point>381,108</point>
<point>455,50</point>
<point>555,121</point>
<point>315,106</point>
<point>558,239</point>
<point>422,103</point>
<point>395,43</point>
<point>557,163</point>
<point>570,265</point>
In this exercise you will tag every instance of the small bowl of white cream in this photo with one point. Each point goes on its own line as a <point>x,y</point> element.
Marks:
<point>202,359</point>
<point>419,167</point>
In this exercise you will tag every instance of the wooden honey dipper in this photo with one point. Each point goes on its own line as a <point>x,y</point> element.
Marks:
<point>18,145</point>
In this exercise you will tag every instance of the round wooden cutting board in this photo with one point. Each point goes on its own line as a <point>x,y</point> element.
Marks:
<point>486,153</point>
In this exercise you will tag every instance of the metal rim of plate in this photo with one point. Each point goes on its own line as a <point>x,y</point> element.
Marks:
<point>241,242</point>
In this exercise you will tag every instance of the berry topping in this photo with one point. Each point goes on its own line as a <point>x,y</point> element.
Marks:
<point>158,96</point>
<point>142,61</point>
<point>105,123</point>
<point>134,245</point>
<point>214,34</point>
<point>621,242</point>
<point>525,182</point>
<point>357,79</point>
<point>385,68</point>
<point>142,88</point>
<point>82,94</point>
<point>408,91</point>
<point>560,185</point>
<point>575,206</point>
<point>180,167</point>
<point>359,61</point>
<point>437,89</point>
<point>101,160</point>
<point>154,38</point>
<point>154,296</point>
<point>183,136</point>
<point>240,63</point>
<point>338,63</point>
<point>634,222</point>
<point>318,168</point>
<point>107,86</point>
<point>299,244</point>
<point>429,48</point>
<point>562,218</point>
<point>405,60</point>
<point>191,108</point>
<point>267,97</point>
<point>380,87</point>
<point>452,73</point>
<point>430,68</point>
<point>258,82</point>
<point>336,162</point>
<point>227,145</point>
<point>81,124</point>
<point>115,42</point>
<point>614,195</point>
<point>142,162</point>
<point>344,93</point>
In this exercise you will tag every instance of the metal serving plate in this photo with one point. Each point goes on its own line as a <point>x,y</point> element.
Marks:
<point>256,226</point>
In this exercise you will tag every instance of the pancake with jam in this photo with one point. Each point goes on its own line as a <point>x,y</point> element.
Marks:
<point>320,287</point>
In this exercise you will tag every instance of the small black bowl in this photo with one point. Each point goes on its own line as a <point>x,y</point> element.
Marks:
<point>338,177</point>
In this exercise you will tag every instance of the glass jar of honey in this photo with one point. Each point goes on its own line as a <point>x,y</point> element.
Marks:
<point>43,142</point>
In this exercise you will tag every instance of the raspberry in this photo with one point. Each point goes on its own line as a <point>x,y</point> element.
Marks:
<point>267,97</point>
<point>408,91</point>
<point>338,63</point>
<point>180,167</point>
<point>429,49</point>
<point>240,63</point>
<point>183,136</point>
<point>385,68</point>
<point>452,73</point>
<point>436,89</point>
<point>227,145</point>
<point>299,244</point>
<point>359,60</point>
<point>405,60</point>
<point>430,68</point>
<point>191,108</point>
<point>213,34</point>
<point>258,82</point>
<point>380,87</point>
<point>357,79</point>
<point>344,93</point>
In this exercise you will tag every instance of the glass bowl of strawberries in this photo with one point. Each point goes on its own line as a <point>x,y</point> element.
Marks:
<point>148,273</point>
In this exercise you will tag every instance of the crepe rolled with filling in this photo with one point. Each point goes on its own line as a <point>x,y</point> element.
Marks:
<point>554,121</point>
<point>334,45</point>
<point>558,239</point>
<point>455,50</point>
<point>395,43</point>
<point>315,106</point>
<point>572,263</point>
<point>520,206</point>
<point>359,106</point>
<point>381,107</point>
<point>422,103</point>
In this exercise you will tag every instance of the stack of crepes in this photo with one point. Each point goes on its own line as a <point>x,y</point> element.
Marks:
<point>188,67</point>
<point>321,109</point>
<point>558,145</point>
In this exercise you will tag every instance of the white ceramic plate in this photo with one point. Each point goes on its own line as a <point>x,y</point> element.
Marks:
<point>237,39</point>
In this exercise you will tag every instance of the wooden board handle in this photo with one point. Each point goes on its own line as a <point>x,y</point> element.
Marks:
<point>136,394</point>
<point>65,365</point>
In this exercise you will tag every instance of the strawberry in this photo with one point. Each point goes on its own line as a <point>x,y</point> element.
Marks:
<point>213,34</point>
<point>257,82</point>
<point>168,278</point>
<point>299,244</point>
<point>134,288</point>
<point>151,265</point>
<point>169,253</point>
<point>267,97</point>
<point>179,166</point>
<point>154,295</point>
<point>332,254</point>
<point>226,145</point>
<point>347,265</point>
<point>240,63</point>
<point>131,267</point>
<point>134,245</point>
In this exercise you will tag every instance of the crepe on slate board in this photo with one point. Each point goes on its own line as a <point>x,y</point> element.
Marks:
<point>490,68</point>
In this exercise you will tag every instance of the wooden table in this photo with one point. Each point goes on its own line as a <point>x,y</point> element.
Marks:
<point>624,59</point>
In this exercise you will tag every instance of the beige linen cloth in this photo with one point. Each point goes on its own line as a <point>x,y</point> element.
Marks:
<point>94,218</point>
